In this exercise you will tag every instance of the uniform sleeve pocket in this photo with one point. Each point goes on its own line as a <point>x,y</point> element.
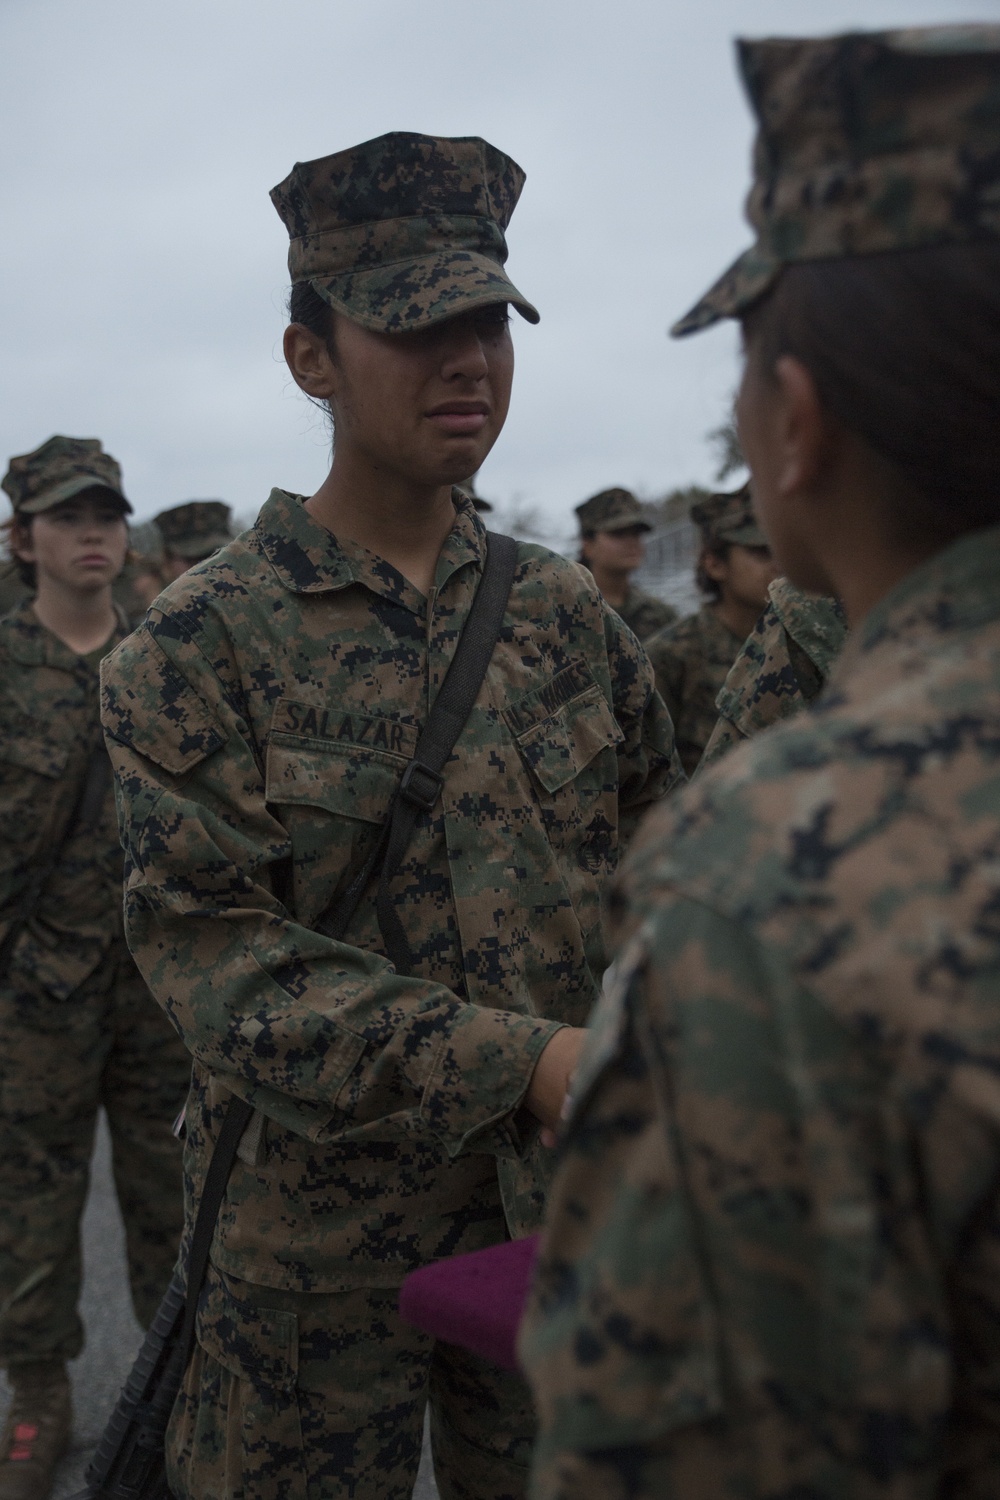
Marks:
<point>564,726</point>
<point>153,708</point>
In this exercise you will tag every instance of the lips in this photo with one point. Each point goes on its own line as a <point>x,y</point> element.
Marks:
<point>459,418</point>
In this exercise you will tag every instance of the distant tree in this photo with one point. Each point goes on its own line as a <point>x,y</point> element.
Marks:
<point>519,520</point>
<point>729,455</point>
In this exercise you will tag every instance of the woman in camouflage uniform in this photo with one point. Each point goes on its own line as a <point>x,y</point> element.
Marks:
<point>78,1029</point>
<point>260,721</point>
<point>773,1262</point>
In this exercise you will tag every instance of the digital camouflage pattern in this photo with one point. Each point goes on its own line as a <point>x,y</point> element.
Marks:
<point>259,722</point>
<point>263,1409</point>
<point>61,468</point>
<point>107,1045</point>
<point>78,1029</point>
<point>644,614</point>
<point>612,510</point>
<point>866,142</point>
<point>772,1266</point>
<point>196,528</point>
<point>728,517</point>
<point>692,660</point>
<point>783,666</point>
<point>13,590</point>
<point>404,230</point>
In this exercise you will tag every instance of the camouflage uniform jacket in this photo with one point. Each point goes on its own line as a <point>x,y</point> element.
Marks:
<point>691,660</point>
<point>49,727</point>
<point>644,614</point>
<point>784,664</point>
<point>774,1247</point>
<point>259,722</point>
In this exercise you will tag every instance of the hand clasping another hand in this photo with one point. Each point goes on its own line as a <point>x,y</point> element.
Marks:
<point>550,1082</point>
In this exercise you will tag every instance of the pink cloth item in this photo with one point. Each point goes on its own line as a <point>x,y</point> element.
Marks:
<point>475,1301</point>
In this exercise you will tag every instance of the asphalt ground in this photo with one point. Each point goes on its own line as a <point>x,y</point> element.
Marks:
<point>113,1335</point>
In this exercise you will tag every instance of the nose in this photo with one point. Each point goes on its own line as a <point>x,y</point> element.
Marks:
<point>464,355</point>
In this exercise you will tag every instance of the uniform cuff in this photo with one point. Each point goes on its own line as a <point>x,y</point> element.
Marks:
<point>479,1079</point>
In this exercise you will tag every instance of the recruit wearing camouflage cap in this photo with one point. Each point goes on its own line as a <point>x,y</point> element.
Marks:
<point>196,529</point>
<point>58,470</point>
<point>728,518</point>
<point>611,510</point>
<point>403,230</point>
<point>866,142</point>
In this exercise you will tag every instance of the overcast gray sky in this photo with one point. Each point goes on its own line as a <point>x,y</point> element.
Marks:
<point>142,267</point>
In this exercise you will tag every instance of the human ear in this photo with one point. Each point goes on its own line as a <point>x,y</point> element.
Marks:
<point>308,359</point>
<point>715,567</point>
<point>20,542</point>
<point>802,431</point>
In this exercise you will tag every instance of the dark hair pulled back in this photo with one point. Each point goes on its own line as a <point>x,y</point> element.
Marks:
<point>307,307</point>
<point>14,530</point>
<point>710,588</point>
<point>904,348</point>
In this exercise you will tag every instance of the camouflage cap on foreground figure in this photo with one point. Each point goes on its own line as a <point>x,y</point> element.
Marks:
<point>728,518</point>
<point>612,510</point>
<point>195,529</point>
<point>866,142</point>
<point>404,230</point>
<point>58,470</point>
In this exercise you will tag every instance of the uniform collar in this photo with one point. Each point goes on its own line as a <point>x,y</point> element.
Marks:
<point>957,590</point>
<point>309,559</point>
<point>30,644</point>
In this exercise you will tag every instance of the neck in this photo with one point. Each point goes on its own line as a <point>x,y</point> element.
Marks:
<point>860,583</point>
<point>612,583</point>
<point>855,551</point>
<point>82,619</point>
<point>404,522</point>
<point>738,617</point>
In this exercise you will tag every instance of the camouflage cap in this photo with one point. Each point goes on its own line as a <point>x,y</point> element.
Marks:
<point>196,528</point>
<point>866,142</point>
<point>405,230</point>
<point>728,518</point>
<point>58,470</point>
<point>612,510</point>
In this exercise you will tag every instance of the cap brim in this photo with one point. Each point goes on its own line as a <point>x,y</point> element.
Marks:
<point>737,289</point>
<point>626,523</point>
<point>66,491</point>
<point>748,535</point>
<point>417,293</point>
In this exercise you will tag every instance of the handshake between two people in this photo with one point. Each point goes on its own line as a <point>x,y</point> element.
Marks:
<point>548,1092</point>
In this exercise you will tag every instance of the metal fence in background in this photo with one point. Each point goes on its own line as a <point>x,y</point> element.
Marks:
<point>668,569</point>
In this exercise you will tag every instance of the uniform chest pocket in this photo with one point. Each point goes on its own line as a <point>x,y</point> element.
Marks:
<point>332,796</point>
<point>343,779</point>
<point>31,770</point>
<point>562,728</point>
<point>567,735</point>
<point>38,754</point>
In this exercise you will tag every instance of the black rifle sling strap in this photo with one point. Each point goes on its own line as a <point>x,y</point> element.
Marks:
<point>84,814</point>
<point>417,794</point>
<point>420,788</point>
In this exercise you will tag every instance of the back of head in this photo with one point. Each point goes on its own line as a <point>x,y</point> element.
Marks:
<point>876,202</point>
